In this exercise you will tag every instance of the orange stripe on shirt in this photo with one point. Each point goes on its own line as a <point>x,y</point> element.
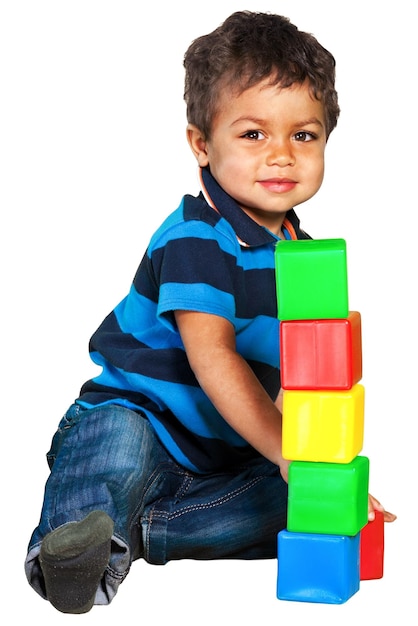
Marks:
<point>288,226</point>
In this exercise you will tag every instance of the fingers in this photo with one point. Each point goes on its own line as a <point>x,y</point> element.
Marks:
<point>375,505</point>
<point>388,517</point>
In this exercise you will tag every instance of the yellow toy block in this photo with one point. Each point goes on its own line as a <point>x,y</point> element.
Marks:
<point>324,426</point>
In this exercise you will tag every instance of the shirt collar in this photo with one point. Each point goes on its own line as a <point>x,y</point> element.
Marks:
<point>248,232</point>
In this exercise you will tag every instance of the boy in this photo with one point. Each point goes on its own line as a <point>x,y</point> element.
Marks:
<point>174,449</point>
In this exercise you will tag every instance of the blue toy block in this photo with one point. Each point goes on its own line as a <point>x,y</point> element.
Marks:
<point>317,568</point>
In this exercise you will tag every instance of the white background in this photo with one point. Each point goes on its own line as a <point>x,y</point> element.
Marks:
<point>93,157</point>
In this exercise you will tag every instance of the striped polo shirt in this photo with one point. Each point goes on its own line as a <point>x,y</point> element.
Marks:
<point>207,256</point>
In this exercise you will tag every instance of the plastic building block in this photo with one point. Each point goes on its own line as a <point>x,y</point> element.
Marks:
<point>317,568</point>
<point>372,548</point>
<point>311,279</point>
<point>328,498</point>
<point>323,426</point>
<point>321,354</point>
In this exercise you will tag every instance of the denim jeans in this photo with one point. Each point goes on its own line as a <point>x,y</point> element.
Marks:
<point>109,458</point>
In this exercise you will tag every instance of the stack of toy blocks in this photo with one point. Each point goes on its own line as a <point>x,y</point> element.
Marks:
<point>323,424</point>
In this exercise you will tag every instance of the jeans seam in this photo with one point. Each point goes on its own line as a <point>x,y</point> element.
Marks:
<point>154,513</point>
<point>147,542</point>
<point>198,507</point>
<point>184,487</point>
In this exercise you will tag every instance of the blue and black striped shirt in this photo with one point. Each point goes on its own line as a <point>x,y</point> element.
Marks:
<point>207,256</point>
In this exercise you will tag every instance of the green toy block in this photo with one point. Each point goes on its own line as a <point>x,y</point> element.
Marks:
<point>311,279</point>
<point>328,498</point>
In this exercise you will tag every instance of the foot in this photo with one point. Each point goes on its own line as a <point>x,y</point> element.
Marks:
<point>73,559</point>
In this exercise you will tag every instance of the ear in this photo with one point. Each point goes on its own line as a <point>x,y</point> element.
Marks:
<point>198,144</point>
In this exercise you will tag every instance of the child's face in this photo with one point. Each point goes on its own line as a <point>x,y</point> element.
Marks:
<point>266,149</point>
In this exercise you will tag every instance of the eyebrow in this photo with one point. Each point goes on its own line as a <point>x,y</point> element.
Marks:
<point>311,120</point>
<point>259,121</point>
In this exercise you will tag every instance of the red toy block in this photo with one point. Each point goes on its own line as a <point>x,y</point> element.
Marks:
<point>372,548</point>
<point>322,353</point>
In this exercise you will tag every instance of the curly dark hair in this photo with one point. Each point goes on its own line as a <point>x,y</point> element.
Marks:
<point>250,47</point>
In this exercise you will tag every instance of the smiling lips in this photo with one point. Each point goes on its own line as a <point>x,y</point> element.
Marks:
<point>278,185</point>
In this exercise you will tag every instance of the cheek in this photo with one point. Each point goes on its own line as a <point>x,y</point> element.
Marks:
<point>318,170</point>
<point>225,166</point>
<point>320,173</point>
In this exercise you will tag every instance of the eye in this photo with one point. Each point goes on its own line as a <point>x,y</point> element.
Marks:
<point>254,135</point>
<point>303,135</point>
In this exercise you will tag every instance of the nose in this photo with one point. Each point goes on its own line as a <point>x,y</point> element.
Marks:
<point>281,154</point>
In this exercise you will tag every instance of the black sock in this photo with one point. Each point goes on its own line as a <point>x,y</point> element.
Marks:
<point>73,559</point>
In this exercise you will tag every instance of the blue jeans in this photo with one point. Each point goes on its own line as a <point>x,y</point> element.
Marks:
<point>109,458</point>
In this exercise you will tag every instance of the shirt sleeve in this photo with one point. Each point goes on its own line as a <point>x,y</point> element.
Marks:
<point>195,273</point>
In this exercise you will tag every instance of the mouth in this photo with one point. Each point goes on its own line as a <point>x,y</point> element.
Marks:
<point>278,185</point>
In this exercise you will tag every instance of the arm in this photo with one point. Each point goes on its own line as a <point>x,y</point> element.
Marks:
<point>230,383</point>
<point>234,389</point>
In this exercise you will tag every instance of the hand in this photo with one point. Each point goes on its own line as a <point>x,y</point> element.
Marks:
<point>375,505</point>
